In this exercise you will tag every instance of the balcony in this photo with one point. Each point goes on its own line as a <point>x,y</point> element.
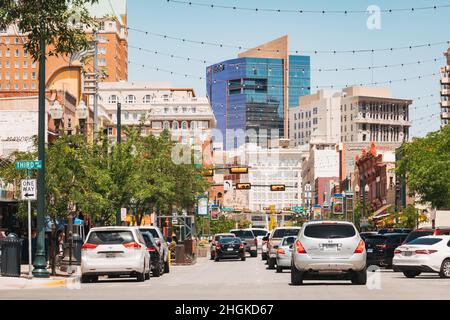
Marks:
<point>445,115</point>
<point>445,104</point>
<point>445,92</point>
<point>445,80</point>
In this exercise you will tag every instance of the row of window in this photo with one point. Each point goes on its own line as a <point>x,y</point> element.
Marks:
<point>8,40</point>
<point>16,86</point>
<point>18,76</point>
<point>16,53</point>
<point>17,64</point>
<point>131,99</point>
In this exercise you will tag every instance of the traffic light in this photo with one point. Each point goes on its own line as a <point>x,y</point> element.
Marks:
<point>208,173</point>
<point>243,186</point>
<point>241,170</point>
<point>277,187</point>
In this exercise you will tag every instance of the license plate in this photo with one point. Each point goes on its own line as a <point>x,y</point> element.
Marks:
<point>369,250</point>
<point>110,255</point>
<point>230,249</point>
<point>330,247</point>
<point>407,253</point>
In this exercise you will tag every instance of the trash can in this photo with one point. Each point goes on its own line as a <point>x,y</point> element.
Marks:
<point>77,245</point>
<point>180,254</point>
<point>11,248</point>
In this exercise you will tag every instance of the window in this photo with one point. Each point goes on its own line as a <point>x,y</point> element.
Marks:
<point>7,41</point>
<point>1,54</point>
<point>16,76</point>
<point>330,231</point>
<point>25,53</point>
<point>8,53</point>
<point>193,110</point>
<point>33,76</point>
<point>25,64</point>
<point>175,125</point>
<point>147,99</point>
<point>113,99</point>
<point>166,125</point>
<point>184,125</point>
<point>16,53</point>
<point>16,64</point>
<point>25,86</point>
<point>130,99</point>
<point>102,62</point>
<point>166,110</point>
<point>33,86</point>
<point>16,40</point>
<point>33,65</point>
<point>7,64</point>
<point>16,86</point>
<point>25,76</point>
<point>101,50</point>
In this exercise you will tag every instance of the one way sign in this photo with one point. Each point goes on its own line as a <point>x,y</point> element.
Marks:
<point>28,189</point>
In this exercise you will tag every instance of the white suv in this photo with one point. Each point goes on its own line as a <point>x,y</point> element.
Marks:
<point>114,251</point>
<point>329,248</point>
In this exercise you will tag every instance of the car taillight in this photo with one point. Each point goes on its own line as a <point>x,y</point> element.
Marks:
<point>218,247</point>
<point>299,247</point>
<point>384,246</point>
<point>425,251</point>
<point>151,249</point>
<point>88,246</point>
<point>132,245</point>
<point>241,246</point>
<point>281,251</point>
<point>361,246</point>
<point>397,251</point>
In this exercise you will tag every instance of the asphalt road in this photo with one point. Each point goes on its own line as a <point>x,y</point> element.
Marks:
<point>248,279</point>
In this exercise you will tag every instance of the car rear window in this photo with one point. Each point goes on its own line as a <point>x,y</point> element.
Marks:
<point>149,240</point>
<point>259,233</point>
<point>288,241</point>
<point>153,232</point>
<point>330,231</point>
<point>230,240</point>
<point>281,233</point>
<point>426,241</point>
<point>416,234</point>
<point>243,234</point>
<point>375,239</point>
<point>111,237</point>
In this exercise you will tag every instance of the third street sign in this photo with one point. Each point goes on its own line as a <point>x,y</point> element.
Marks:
<point>29,165</point>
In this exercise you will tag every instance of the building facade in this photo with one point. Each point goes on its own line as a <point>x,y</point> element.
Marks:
<point>254,91</point>
<point>317,115</point>
<point>445,91</point>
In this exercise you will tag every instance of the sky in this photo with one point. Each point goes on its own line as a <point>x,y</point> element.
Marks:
<point>307,32</point>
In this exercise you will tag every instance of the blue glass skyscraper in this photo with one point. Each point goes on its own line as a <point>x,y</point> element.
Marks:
<point>255,90</point>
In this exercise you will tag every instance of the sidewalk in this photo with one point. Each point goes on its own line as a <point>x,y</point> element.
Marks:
<point>11,283</point>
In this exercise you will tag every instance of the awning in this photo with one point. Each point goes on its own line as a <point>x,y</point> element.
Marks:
<point>379,213</point>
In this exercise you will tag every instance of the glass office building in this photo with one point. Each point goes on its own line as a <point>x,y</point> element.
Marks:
<point>249,93</point>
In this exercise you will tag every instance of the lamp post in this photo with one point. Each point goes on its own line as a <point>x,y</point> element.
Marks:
<point>56,112</point>
<point>82,114</point>
<point>119,141</point>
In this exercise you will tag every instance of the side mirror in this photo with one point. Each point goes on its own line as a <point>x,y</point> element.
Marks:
<point>291,246</point>
<point>245,243</point>
<point>265,238</point>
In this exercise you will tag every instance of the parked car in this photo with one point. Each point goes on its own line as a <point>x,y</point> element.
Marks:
<point>259,233</point>
<point>265,240</point>
<point>114,251</point>
<point>249,240</point>
<point>424,254</point>
<point>215,241</point>
<point>331,249</point>
<point>394,230</point>
<point>161,242</point>
<point>231,247</point>
<point>156,255</point>
<point>275,239</point>
<point>284,253</point>
<point>380,248</point>
<point>422,232</point>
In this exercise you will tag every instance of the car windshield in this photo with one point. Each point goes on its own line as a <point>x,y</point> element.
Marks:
<point>230,240</point>
<point>425,241</point>
<point>110,237</point>
<point>374,239</point>
<point>153,232</point>
<point>416,234</point>
<point>243,234</point>
<point>330,231</point>
<point>288,241</point>
<point>281,233</point>
<point>259,233</point>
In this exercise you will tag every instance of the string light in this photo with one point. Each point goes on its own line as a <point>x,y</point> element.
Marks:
<point>240,48</point>
<point>302,11</point>
<point>291,68</point>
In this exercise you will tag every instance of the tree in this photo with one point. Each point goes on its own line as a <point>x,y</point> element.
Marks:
<point>425,164</point>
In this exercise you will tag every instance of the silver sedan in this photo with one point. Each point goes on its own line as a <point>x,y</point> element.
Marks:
<point>284,253</point>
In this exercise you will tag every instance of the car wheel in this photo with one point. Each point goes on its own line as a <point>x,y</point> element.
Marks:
<point>166,267</point>
<point>147,275</point>
<point>243,258</point>
<point>279,269</point>
<point>216,258</point>
<point>85,279</point>
<point>411,274</point>
<point>253,254</point>
<point>271,263</point>
<point>212,255</point>
<point>445,269</point>
<point>157,271</point>
<point>359,277</point>
<point>297,276</point>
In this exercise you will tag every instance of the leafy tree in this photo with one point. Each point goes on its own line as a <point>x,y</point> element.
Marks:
<point>425,163</point>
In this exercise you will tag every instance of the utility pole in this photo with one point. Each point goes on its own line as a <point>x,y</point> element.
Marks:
<point>40,263</point>
<point>119,141</point>
<point>96,76</point>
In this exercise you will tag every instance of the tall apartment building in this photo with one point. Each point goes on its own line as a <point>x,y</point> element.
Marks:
<point>445,91</point>
<point>18,71</point>
<point>256,90</point>
<point>317,116</point>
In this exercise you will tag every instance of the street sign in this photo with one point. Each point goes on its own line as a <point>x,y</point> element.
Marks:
<point>227,209</point>
<point>29,165</point>
<point>227,185</point>
<point>202,206</point>
<point>28,189</point>
<point>298,209</point>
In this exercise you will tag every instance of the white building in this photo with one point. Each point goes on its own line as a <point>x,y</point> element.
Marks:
<point>156,106</point>
<point>317,114</point>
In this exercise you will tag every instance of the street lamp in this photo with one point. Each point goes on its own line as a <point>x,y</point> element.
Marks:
<point>82,114</point>
<point>56,112</point>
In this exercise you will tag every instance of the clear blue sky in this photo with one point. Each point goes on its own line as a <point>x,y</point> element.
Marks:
<point>306,32</point>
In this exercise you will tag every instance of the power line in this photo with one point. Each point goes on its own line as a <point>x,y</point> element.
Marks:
<point>302,11</point>
<point>354,51</point>
<point>295,68</point>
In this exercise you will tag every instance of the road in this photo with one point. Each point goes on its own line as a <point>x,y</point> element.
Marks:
<point>239,280</point>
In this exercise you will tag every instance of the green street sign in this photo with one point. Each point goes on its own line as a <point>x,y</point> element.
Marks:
<point>298,209</point>
<point>227,209</point>
<point>29,165</point>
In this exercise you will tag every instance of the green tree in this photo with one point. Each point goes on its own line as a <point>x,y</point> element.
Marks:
<point>425,163</point>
